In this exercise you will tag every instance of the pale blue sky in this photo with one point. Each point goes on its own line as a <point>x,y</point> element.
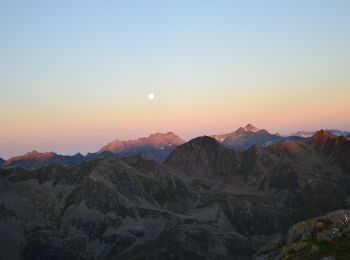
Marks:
<point>65,61</point>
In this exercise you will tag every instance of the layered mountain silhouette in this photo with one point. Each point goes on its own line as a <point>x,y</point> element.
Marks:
<point>34,159</point>
<point>157,147</point>
<point>206,201</point>
<point>307,134</point>
<point>245,137</point>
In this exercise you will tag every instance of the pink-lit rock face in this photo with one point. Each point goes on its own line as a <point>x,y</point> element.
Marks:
<point>332,144</point>
<point>157,140</point>
<point>33,155</point>
<point>322,136</point>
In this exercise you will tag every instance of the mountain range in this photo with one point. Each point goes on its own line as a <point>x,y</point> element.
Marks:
<point>245,137</point>
<point>156,146</point>
<point>205,201</point>
<point>307,134</point>
<point>34,159</point>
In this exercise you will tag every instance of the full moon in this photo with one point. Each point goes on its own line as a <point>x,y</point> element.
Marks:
<point>151,96</point>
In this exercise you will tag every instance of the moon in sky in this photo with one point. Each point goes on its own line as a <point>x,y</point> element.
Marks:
<point>151,96</point>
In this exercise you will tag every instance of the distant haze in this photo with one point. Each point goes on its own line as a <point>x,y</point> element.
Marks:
<point>75,75</point>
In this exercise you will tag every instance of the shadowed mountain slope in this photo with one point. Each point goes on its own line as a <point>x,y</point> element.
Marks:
<point>205,202</point>
<point>289,171</point>
<point>112,208</point>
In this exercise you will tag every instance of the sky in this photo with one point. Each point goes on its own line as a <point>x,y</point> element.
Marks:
<point>75,75</point>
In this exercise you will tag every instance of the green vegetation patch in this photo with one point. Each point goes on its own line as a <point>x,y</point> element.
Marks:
<point>339,248</point>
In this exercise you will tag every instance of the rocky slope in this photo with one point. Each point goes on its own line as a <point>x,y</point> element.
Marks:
<point>326,237</point>
<point>115,209</point>
<point>303,179</point>
<point>205,202</point>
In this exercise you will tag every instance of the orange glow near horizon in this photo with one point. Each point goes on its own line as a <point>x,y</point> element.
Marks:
<point>86,128</point>
<point>74,76</point>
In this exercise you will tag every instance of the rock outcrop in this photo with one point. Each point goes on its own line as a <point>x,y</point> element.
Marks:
<point>326,237</point>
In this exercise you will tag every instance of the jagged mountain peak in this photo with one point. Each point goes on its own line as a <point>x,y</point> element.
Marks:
<point>251,128</point>
<point>323,135</point>
<point>248,128</point>
<point>78,155</point>
<point>245,137</point>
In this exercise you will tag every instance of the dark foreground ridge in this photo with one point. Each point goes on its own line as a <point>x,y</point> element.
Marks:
<point>205,201</point>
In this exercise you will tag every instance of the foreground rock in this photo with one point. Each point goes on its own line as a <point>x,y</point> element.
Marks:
<point>326,237</point>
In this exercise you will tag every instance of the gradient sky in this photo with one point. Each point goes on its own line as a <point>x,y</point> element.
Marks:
<point>75,75</point>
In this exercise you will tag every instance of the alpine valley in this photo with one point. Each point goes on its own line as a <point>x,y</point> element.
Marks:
<point>247,194</point>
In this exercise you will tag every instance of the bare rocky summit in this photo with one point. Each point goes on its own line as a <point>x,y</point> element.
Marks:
<point>156,146</point>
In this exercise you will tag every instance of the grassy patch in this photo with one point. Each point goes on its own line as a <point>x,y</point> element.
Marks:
<point>338,248</point>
